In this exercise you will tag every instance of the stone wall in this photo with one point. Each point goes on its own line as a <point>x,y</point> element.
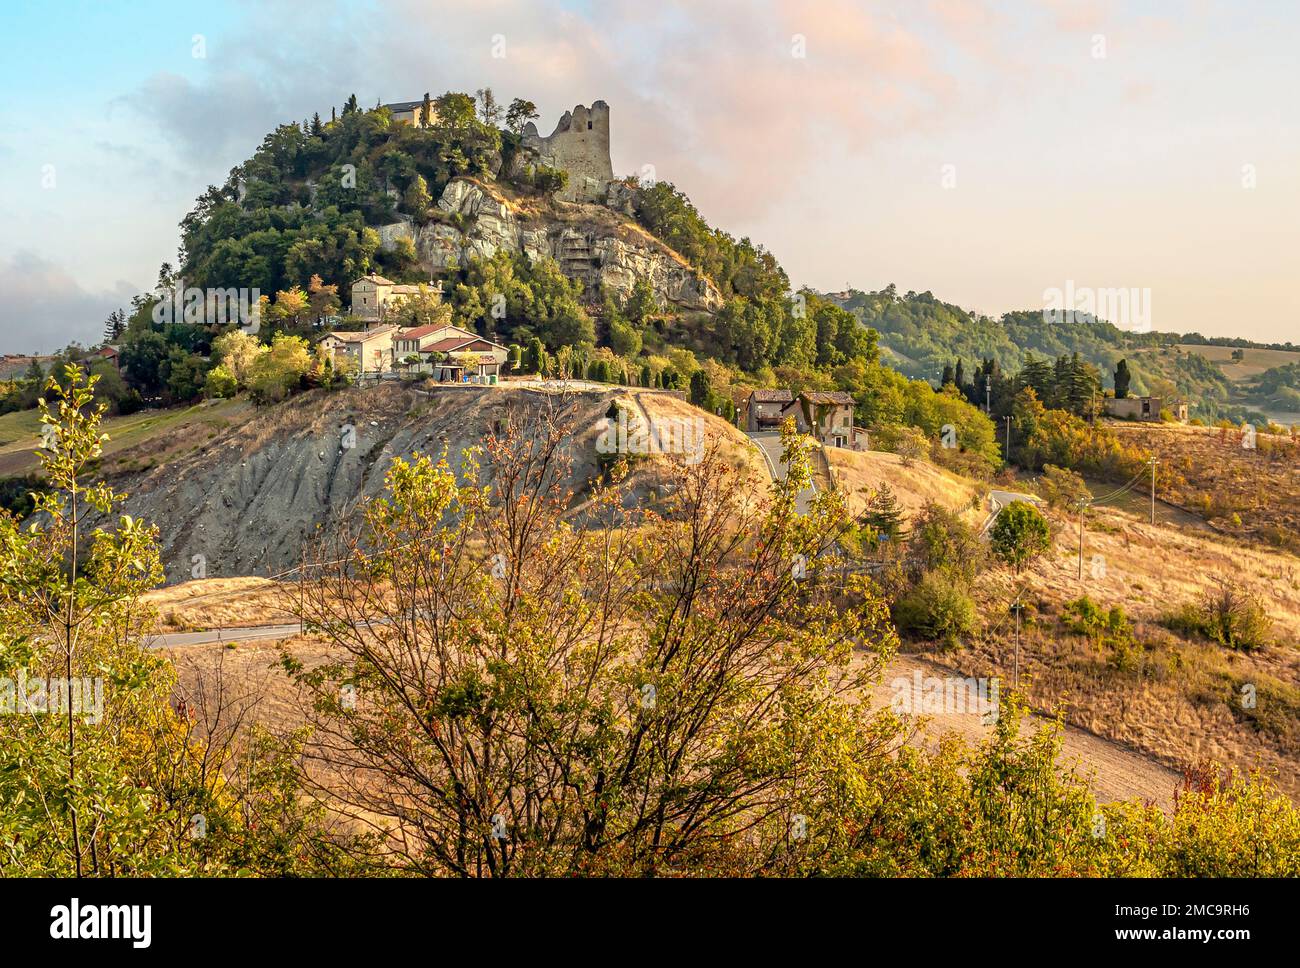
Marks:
<point>579,145</point>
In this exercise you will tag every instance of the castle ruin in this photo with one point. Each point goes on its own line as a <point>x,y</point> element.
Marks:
<point>579,145</point>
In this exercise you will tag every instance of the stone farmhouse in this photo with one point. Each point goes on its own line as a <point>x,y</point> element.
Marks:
<point>1144,408</point>
<point>443,350</point>
<point>825,415</point>
<point>763,409</point>
<point>369,350</point>
<point>373,294</point>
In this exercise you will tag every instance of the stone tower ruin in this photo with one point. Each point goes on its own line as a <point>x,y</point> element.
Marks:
<point>579,145</point>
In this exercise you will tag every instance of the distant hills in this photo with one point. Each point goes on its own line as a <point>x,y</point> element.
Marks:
<point>921,334</point>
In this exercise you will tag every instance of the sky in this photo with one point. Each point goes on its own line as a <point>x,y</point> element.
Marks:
<point>985,151</point>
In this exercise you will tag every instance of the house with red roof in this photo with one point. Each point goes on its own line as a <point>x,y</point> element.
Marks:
<point>424,348</point>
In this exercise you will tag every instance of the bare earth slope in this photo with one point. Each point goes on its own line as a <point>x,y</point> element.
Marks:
<point>249,498</point>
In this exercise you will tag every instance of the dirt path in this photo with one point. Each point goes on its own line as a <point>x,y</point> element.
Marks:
<point>1115,771</point>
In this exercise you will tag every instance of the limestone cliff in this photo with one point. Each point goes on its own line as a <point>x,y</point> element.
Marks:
<point>592,243</point>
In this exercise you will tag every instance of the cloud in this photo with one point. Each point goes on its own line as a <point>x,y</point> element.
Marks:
<point>726,100</point>
<point>44,308</point>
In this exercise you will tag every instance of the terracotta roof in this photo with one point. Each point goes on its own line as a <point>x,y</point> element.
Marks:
<point>453,343</point>
<point>827,397</point>
<point>377,280</point>
<point>419,332</point>
<point>360,335</point>
<point>771,396</point>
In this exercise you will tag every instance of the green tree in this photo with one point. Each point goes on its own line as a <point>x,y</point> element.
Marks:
<point>1122,379</point>
<point>1019,535</point>
<point>519,114</point>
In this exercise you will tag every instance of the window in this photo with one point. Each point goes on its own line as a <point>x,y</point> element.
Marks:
<point>588,125</point>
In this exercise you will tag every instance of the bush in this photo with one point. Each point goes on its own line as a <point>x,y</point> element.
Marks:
<point>939,608</point>
<point>940,539</point>
<point>220,383</point>
<point>1227,614</point>
<point>1062,488</point>
<point>1019,535</point>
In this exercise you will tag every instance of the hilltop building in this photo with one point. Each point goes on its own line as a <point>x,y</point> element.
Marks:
<point>369,350</point>
<point>763,409</point>
<point>412,112</point>
<point>579,145</point>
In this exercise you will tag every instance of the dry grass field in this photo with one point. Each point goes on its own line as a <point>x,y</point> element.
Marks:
<point>1253,493</point>
<point>1177,698</point>
<point>1253,362</point>
<point>860,473</point>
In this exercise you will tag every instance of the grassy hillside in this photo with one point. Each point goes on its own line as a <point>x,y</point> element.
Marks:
<point>920,335</point>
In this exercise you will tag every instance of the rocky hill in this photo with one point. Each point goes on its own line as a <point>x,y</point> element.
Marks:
<point>593,243</point>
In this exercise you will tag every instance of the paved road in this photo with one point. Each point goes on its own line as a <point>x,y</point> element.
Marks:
<point>1000,499</point>
<point>769,442</point>
<point>261,633</point>
<point>1119,773</point>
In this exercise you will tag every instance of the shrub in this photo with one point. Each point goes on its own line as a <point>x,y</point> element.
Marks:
<point>939,607</point>
<point>940,539</point>
<point>1227,614</point>
<point>220,382</point>
<point>1062,488</point>
<point>1019,535</point>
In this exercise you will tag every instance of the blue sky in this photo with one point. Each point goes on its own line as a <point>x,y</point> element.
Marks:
<point>979,149</point>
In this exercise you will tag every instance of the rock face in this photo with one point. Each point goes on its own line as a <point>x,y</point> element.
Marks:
<point>597,251</point>
<point>249,501</point>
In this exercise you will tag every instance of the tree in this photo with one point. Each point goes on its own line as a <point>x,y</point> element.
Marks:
<point>322,299</point>
<point>1062,488</point>
<point>455,111</point>
<point>65,603</point>
<point>291,305</point>
<point>519,114</point>
<point>599,700</point>
<point>1019,535</point>
<point>236,351</point>
<point>417,200</point>
<point>701,389</point>
<point>114,326</point>
<point>280,370</point>
<point>624,339</point>
<point>488,108</point>
<point>422,308</point>
<point>536,355</point>
<point>143,354</point>
<point>883,514</point>
<point>183,374</point>
<point>1122,379</point>
<point>426,111</point>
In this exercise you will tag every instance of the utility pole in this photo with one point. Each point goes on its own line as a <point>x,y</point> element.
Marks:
<point>1153,490</point>
<point>1008,421</point>
<point>1016,608</point>
<point>1083,506</point>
